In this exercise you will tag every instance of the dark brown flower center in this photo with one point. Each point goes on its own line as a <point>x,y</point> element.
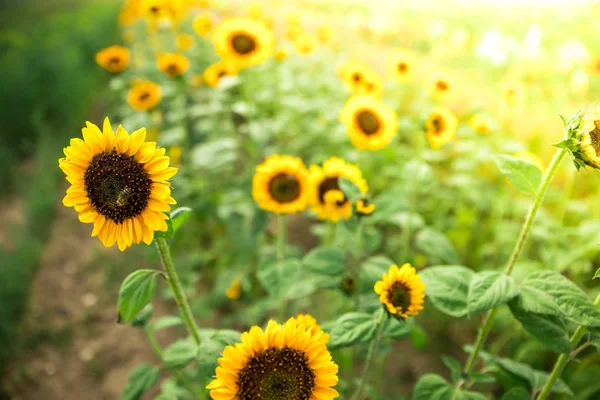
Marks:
<point>114,60</point>
<point>173,69</point>
<point>367,122</point>
<point>356,77</point>
<point>595,137</point>
<point>442,85</point>
<point>154,9</point>
<point>327,185</point>
<point>117,185</point>
<point>402,67</point>
<point>284,188</point>
<point>399,296</point>
<point>243,44</point>
<point>438,124</point>
<point>349,284</point>
<point>276,374</point>
<point>144,96</point>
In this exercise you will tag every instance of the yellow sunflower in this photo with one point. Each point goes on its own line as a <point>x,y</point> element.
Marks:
<point>328,200</point>
<point>214,73</point>
<point>304,44</point>
<point>284,361</point>
<point>173,64</point>
<point>184,41</point>
<point>401,65</point>
<point>353,74</point>
<point>370,123</point>
<point>401,291</point>
<point>371,84</point>
<point>114,58</point>
<point>162,11</point>
<point>309,322</point>
<point>441,126</point>
<point>244,41</point>
<point>481,123</point>
<point>281,185</point>
<point>281,54</point>
<point>442,87</point>
<point>203,24</point>
<point>589,135</point>
<point>120,183</point>
<point>144,95</point>
<point>234,291</point>
<point>364,207</point>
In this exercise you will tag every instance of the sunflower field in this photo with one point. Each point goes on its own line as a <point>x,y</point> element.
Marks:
<point>300,200</point>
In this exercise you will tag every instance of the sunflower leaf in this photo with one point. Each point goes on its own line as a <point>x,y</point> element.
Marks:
<point>517,393</point>
<point>489,289</point>
<point>179,216</point>
<point>325,260</point>
<point>352,328</point>
<point>351,191</point>
<point>524,176</point>
<point>180,353</point>
<point>136,293</point>
<point>141,379</point>
<point>434,387</point>
<point>447,287</point>
<point>597,274</point>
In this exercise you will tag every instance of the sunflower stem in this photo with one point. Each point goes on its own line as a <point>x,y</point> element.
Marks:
<point>372,349</point>
<point>175,284</point>
<point>537,202</point>
<point>358,249</point>
<point>564,359</point>
<point>281,242</point>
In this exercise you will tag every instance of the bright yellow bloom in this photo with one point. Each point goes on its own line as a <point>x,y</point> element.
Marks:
<point>184,41</point>
<point>234,291</point>
<point>372,84</point>
<point>588,134</point>
<point>214,73</point>
<point>328,200</point>
<point>481,123</point>
<point>530,158</point>
<point>309,322</point>
<point>364,207</point>
<point>370,123</point>
<point>162,11</point>
<point>281,54</point>
<point>441,126</point>
<point>401,291</point>
<point>203,24</point>
<point>120,183</point>
<point>304,44</point>
<point>114,58</point>
<point>401,65</point>
<point>173,64</point>
<point>243,41</point>
<point>281,185</point>
<point>442,87</point>
<point>325,34</point>
<point>144,95</point>
<point>354,73</point>
<point>288,361</point>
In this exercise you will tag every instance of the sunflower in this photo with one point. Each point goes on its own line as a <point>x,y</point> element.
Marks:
<point>353,74</point>
<point>371,124</point>
<point>283,362</point>
<point>364,207</point>
<point>328,200</point>
<point>304,44</point>
<point>530,158</point>
<point>144,95</point>
<point>173,64</point>
<point>325,34</point>
<point>162,11</point>
<point>281,54</point>
<point>184,41</point>
<point>114,58</point>
<point>309,322</point>
<point>244,41</point>
<point>281,185</point>
<point>371,84</point>
<point>203,24</point>
<point>401,291</point>
<point>441,127</point>
<point>401,64</point>
<point>214,73</point>
<point>588,134</point>
<point>120,183</point>
<point>234,291</point>
<point>442,87</point>
<point>481,123</point>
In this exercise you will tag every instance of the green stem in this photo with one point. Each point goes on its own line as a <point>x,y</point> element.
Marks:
<point>366,369</point>
<point>563,359</point>
<point>281,242</point>
<point>358,250</point>
<point>175,284</point>
<point>539,197</point>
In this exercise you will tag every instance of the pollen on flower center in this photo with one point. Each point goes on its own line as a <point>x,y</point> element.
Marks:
<point>328,185</point>
<point>368,122</point>
<point>243,44</point>
<point>276,374</point>
<point>399,296</point>
<point>284,188</point>
<point>118,186</point>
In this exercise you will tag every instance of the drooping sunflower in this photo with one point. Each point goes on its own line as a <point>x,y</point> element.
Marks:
<point>203,24</point>
<point>144,95</point>
<point>173,64</point>
<point>244,41</point>
<point>442,87</point>
<point>282,362</point>
<point>370,123</point>
<point>184,41</point>
<point>214,73</point>
<point>401,64</point>
<point>120,183</point>
<point>114,59</point>
<point>328,200</point>
<point>441,126</point>
<point>353,74</point>
<point>281,54</point>
<point>281,185</point>
<point>364,207</point>
<point>401,291</point>
<point>481,123</point>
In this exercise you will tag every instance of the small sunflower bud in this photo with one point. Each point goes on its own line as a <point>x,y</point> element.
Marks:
<point>582,137</point>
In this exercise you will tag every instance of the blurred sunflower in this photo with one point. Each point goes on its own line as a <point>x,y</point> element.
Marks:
<point>162,11</point>
<point>281,54</point>
<point>144,95</point>
<point>203,24</point>
<point>120,183</point>
<point>530,158</point>
<point>173,64</point>
<point>114,58</point>
<point>304,44</point>
<point>243,41</point>
<point>370,123</point>
<point>401,291</point>
<point>481,123</point>
<point>364,207</point>
<point>325,34</point>
<point>441,126</point>
<point>588,134</point>
<point>328,200</point>
<point>442,87</point>
<point>214,73</point>
<point>288,361</point>
<point>234,291</point>
<point>353,74</point>
<point>281,185</point>
<point>371,84</point>
<point>401,64</point>
<point>513,93</point>
<point>184,41</point>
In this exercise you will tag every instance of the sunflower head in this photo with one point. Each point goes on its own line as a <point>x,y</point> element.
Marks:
<point>371,124</point>
<point>144,95</point>
<point>281,185</point>
<point>327,199</point>
<point>364,207</point>
<point>304,44</point>
<point>354,73</point>
<point>371,84</point>
<point>173,64</point>
<point>440,127</point>
<point>243,41</point>
<point>442,87</point>
<point>120,183</point>
<point>162,11</point>
<point>401,65</point>
<point>349,285</point>
<point>114,59</point>
<point>401,291</point>
<point>184,41</point>
<point>281,54</point>
<point>234,291</point>
<point>582,137</point>
<point>325,34</point>
<point>203,24</point>
<point>217,71</point>
<point>282,362</point>
<point>481,123</point>
<point>309,322</point>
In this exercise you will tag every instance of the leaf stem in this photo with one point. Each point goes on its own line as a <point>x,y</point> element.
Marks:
<point>177,289</point>
<point>367,367</point>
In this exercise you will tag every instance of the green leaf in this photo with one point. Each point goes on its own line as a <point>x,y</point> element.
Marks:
<point>325,260</point>
<point>179,216</point>
<point>517,393</point>
<point>352,328</point>
<point>351,191</point>
<point>143,317</point>
<point>448,288</point>
<point>372,271</point>
<point>549,330</point>
<point>434,387</point>
<point>286,280</point>
<point>180,353</point>
<point>524,176</point>
<point>168,234</point>
<point>436,245</point>
<point>454,366</point>
<point>398,329</point>
<point>166,322</point>
<point>170,390</point>
<point>482,377</point>
<point>136,293</point>
<point>141,379</point>
<point>558,295</point>
<point>489,289</point>
<point>597,274</point>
